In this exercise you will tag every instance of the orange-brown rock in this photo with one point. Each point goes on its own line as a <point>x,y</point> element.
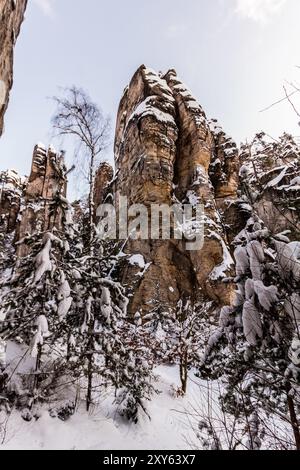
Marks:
<point>103,178</point>
<point>163,152</point>
<point>11,18</point>
<point>45,189</point>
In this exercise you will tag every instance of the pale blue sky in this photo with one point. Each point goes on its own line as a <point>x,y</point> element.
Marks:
<point>233,54</point>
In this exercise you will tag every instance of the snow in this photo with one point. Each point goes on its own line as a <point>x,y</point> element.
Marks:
<point>267,296</point>
<point>64,290</point>
<point>275,182</point>
<point>289,259</point>
<point>42,332</point>
<point>10,180</point>
<point>242,260</point>
<point>252,322</point>
<point>193,198</point>
<point>64,307</point>
<point>41,146</point>
<point>222,269</point>
<point>52,149</point>
<point>192,104</point>
<point>257,258</point>
<point>42,325</point>
<point>100,430</point>
<point>295,181</point>
<point>154,79</point>
<point>3,346</point>
<point>137,260</point>
<point>43,263</point>
<point>147,108</point>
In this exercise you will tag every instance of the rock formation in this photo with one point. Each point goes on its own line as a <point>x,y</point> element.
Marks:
<point>42,197</point>
<point>32,205</point>
<point>103,178</point>
<point>11,18</point>
<point>11,191</point>
<point>167,152</point>
<point>164,152</point>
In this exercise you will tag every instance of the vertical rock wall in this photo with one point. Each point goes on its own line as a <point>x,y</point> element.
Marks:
<point>11,18</point>
<point>42,196</point>
<point>163,150</point>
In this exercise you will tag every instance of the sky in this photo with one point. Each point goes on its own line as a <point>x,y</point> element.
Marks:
<point>235,56</point>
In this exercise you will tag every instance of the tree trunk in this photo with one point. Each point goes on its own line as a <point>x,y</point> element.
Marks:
<point>89,400</point>
<point>184,372</point>
<point>293,416</point>
<point>89,395</point>
<point>91,202</point>
<point>37,376</point>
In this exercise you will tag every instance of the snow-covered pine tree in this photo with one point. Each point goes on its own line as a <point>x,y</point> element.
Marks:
<point>177,336</point>
<point>137,378</point>
<point>185,338</point>
<point>158,323</point>
<point>30,307</point>
<point>36,297</point>
<point>103,342</point>
<point>256,348</point>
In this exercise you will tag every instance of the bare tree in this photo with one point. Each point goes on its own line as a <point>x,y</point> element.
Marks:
<point>79,117</point>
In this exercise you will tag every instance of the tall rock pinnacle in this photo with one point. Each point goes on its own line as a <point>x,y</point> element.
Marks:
<point>164,149</point>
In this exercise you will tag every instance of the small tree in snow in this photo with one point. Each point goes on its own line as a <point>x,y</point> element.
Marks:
<point>178,336</point>
<point>137,378</point>
<point>186,338</point>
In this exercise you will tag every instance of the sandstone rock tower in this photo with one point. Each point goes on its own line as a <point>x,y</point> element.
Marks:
<point>167,151</point>
<point>44,190</point>
<point>11,18</point>
<point>103,178</point>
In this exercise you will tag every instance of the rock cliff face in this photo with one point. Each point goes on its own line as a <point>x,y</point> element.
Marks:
<point>43,194</point>
<point>166,152</point>
<point>103,178</point>
<point>30,205</point>
<point>11,18</point>
<point>11,191</point>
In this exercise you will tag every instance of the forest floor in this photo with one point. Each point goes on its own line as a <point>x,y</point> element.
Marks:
<point>170,428</point>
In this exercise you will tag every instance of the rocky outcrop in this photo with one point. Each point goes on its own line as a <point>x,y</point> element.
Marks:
<point>11,18</point>
<point>11,191</point>
<point>43,196</point>
<point>164,150</point>
<point>224,165</point>
<point>103,178</point>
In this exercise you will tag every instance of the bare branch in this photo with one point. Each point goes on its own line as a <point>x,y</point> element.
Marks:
<point>78,117</point>
<point>279,101</point>
<point>290,101</point>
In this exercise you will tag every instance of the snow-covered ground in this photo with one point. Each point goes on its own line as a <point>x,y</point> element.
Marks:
<point>102,429</point>
<point>176,423</point>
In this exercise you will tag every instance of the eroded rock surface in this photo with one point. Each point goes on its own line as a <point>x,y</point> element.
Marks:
<point>11,18</point>
<point>164,149</point>
<point>43,195</point>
